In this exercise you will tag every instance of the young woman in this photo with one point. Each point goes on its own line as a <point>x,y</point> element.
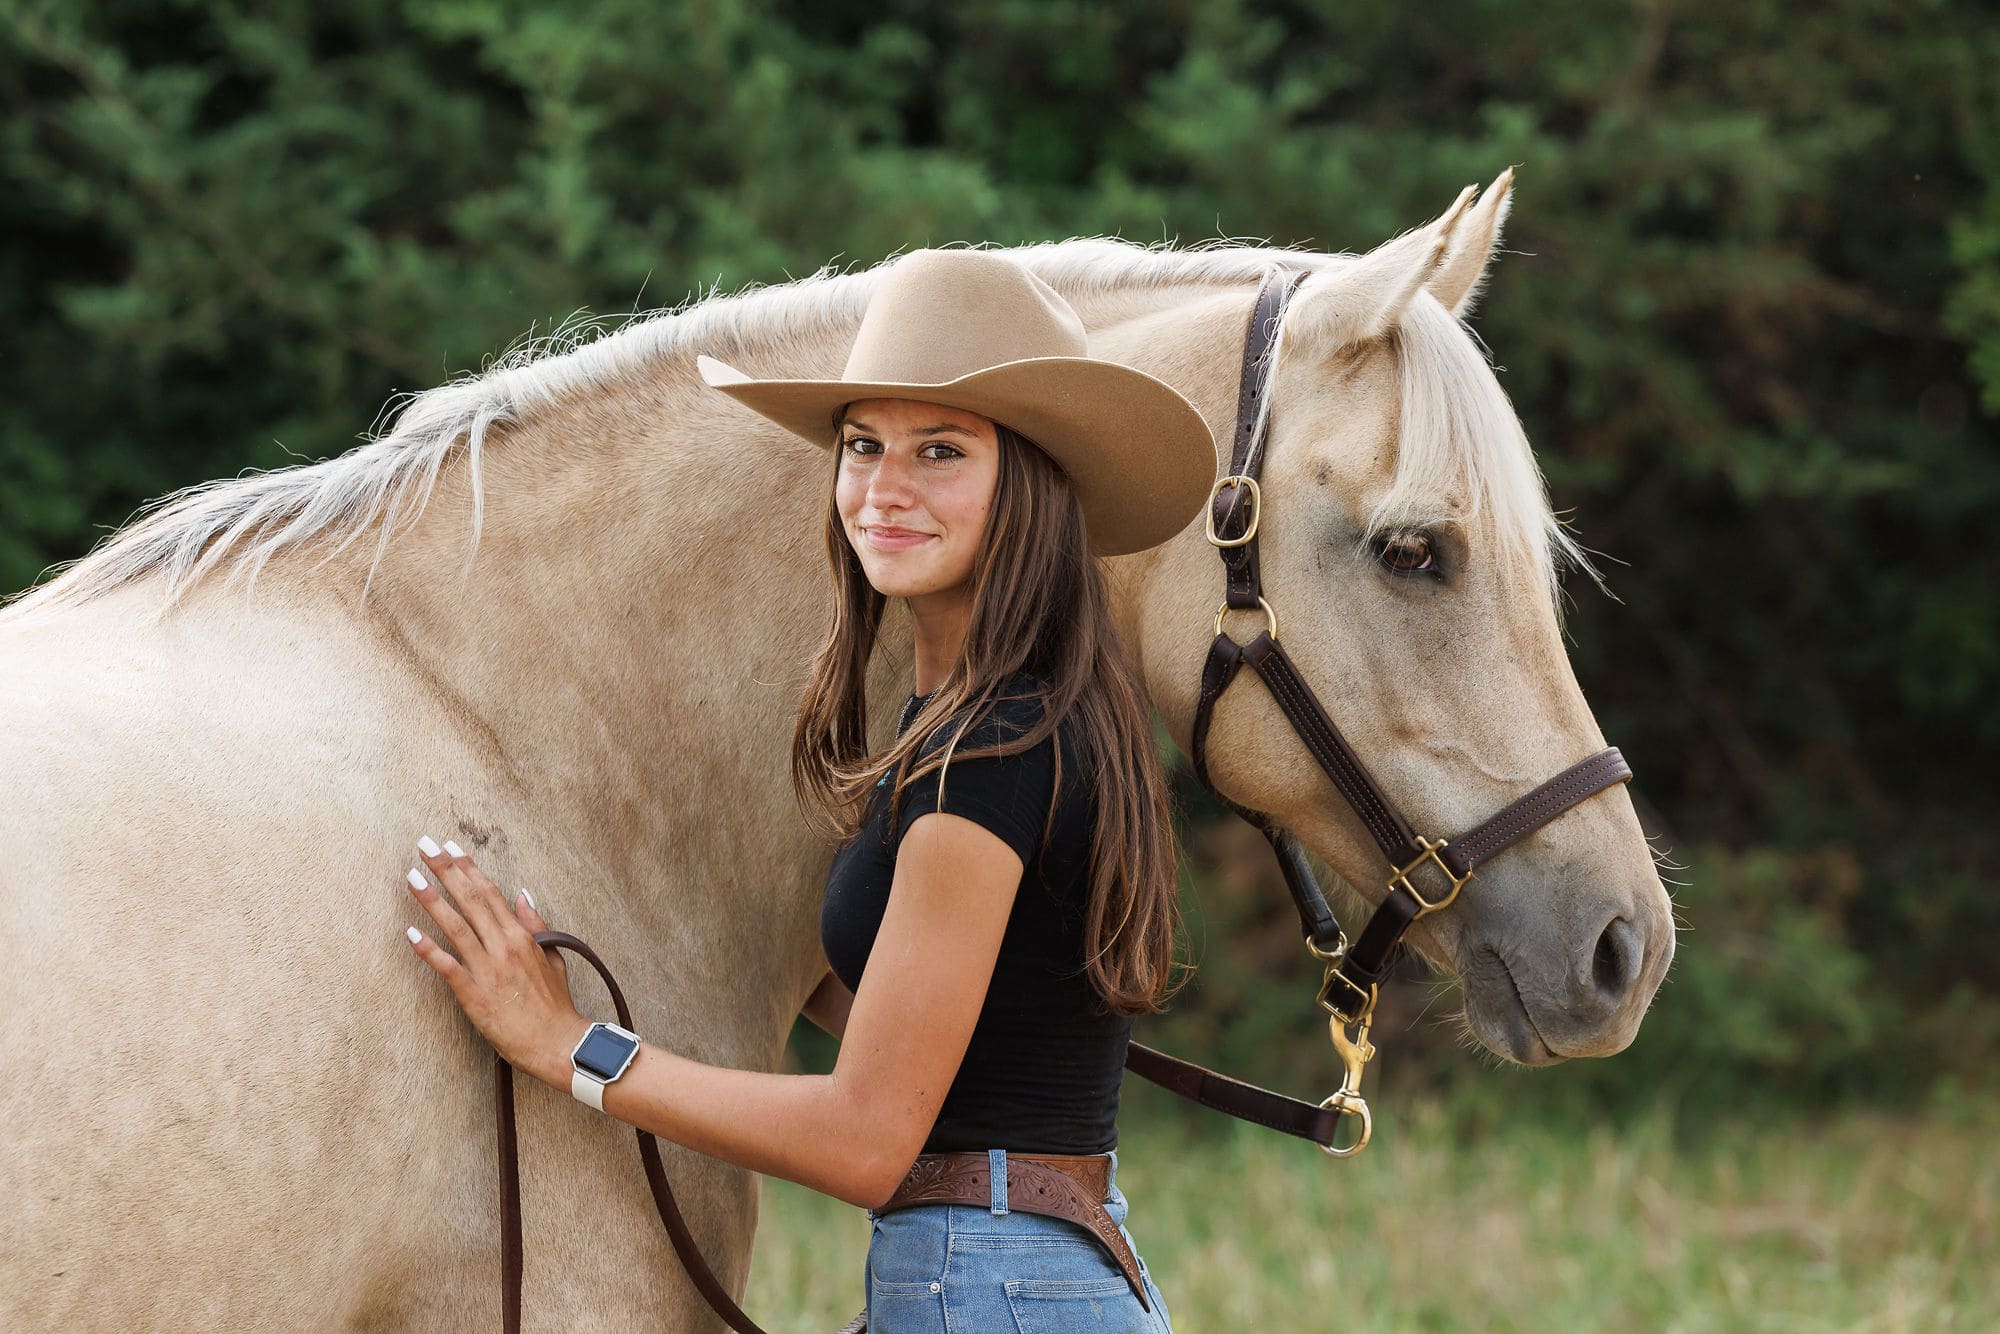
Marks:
<point>1002,902</point>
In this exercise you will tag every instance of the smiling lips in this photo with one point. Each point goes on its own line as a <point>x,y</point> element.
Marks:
<point>894,539</point>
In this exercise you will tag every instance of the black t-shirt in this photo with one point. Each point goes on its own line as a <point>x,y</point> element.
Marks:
<point>1042,1072</point>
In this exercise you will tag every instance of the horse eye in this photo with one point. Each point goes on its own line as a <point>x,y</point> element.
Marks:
<point>1405,553</point>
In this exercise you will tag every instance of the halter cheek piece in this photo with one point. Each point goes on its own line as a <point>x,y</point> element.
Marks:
<point>1354,972</point>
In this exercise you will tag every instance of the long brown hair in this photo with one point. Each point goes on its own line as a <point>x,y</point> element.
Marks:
<point>1041,605</point>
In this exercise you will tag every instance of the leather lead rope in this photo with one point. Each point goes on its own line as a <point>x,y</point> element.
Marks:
<point>656,1177</point>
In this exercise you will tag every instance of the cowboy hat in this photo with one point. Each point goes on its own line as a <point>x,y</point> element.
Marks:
<point>975,330</point>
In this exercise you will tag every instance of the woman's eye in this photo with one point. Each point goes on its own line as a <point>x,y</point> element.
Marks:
<point>1406,553</point>
<point>861,444</point>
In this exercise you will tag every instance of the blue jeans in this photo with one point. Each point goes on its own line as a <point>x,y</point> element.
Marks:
<point>963,1269</point>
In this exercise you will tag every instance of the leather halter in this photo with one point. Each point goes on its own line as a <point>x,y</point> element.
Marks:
<point>1353,973</point>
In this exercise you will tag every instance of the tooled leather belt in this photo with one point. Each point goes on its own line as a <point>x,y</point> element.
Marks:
<point>1058,1185</point>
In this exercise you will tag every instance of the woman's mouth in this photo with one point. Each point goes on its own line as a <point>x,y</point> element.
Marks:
<point>895,539</point>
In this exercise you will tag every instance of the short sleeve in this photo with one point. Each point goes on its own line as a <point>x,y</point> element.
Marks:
<point>1006,794</point>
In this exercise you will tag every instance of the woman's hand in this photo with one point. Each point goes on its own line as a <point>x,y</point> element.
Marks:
<point>515,992</point>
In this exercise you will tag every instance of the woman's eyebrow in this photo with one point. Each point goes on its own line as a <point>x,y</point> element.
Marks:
<point>921,430</point>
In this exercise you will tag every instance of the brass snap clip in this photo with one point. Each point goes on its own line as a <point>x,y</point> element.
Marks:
<point>1355,1053</point>
<point>1355,1010</point>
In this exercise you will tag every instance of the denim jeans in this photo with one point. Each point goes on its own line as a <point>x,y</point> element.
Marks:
<point>964,1269</point>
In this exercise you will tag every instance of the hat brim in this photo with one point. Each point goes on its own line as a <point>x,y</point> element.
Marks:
<point>1139,456</point>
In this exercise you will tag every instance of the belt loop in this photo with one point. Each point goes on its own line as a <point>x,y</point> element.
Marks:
<point>996,1164</point>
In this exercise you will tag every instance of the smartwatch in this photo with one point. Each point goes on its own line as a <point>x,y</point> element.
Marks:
<point>602,1055</point>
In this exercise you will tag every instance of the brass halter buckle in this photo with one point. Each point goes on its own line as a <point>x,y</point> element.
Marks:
<point>1355,1004</point>
<point>1256,511</point>
<point>1345,999</point>
<point>1399,877</point>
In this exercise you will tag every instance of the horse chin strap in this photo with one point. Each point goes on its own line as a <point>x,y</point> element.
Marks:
<point>1354,972</point>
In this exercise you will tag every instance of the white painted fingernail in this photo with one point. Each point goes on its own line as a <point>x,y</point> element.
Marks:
<point>428,846</point>
<point>453,848</point>
<point>417,880</point>
<point>529,898</point>
<point>415,935</point>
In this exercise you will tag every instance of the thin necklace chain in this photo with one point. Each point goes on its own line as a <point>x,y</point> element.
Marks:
<point>912,705</point>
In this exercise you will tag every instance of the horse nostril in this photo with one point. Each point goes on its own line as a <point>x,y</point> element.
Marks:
<point>1616,961</point>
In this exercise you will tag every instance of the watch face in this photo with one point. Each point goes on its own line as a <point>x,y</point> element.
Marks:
<point>604,1053</point>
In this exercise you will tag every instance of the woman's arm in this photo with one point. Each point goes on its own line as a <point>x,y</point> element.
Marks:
<point>830,1003</point>
<point>854,1133</point>
<point>851,1134</point>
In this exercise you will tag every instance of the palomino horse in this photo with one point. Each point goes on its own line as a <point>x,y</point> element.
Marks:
<point>562,613</point>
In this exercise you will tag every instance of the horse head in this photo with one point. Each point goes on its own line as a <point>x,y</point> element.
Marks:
<point>1408,546</point>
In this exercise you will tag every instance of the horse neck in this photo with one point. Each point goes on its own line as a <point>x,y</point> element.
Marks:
<point>646,543</point>
<point>627,565</point>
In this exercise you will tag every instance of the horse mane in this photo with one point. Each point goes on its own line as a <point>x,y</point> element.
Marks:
<point>237,524</point>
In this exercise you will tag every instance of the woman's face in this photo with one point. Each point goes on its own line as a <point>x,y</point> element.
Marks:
<point>916,481</point>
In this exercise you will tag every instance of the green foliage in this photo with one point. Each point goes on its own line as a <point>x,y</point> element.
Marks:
<point>1749,310</point>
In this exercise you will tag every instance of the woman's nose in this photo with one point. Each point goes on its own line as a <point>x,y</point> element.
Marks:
<point>894,480</point>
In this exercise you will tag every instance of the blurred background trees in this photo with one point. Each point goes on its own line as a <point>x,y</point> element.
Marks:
<point>1749,312</point>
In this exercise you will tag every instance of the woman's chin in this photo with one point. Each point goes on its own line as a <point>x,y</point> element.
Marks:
<point>906,579</point>
<point>890,586</point>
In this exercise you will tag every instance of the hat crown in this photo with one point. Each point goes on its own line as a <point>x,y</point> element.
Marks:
<point>940,315</point>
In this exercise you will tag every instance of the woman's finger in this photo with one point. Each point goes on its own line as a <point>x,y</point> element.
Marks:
<point>478,899</point>
<point>449,924</point>
<point>437,956</point>
<point>531,918</point>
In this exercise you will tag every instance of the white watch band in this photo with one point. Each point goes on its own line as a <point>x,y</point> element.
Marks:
<point>586,1089</point>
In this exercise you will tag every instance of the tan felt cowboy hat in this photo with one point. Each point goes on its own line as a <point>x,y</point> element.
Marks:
<point>978,331</point>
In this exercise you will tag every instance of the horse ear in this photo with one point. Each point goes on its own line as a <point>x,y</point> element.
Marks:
<point>1355,302</point>
<point>1460,279</point>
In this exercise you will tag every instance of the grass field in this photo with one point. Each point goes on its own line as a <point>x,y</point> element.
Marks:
<point>1867,1222</point>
